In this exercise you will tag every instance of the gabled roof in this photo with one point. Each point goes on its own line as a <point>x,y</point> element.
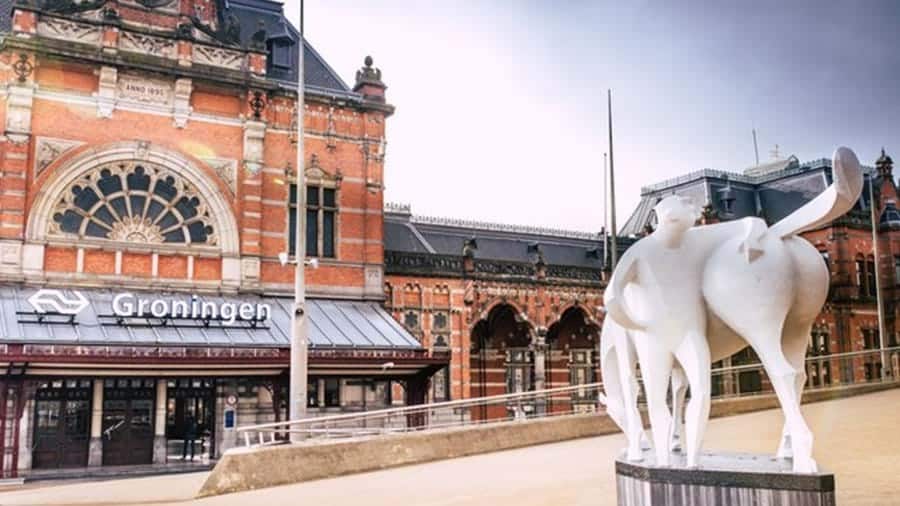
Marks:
<point>268,15</point>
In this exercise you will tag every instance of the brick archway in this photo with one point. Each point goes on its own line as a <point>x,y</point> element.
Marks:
<point>501,358</point>
<point>572,357</point>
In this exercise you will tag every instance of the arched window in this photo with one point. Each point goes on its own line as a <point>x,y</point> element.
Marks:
<point>136,202</point>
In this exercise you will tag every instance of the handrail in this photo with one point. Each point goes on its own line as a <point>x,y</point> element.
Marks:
<point>434,406</point>
<point>588,397</point>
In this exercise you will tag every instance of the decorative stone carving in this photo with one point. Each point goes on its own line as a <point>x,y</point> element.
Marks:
<point>330,131</point>
<point>182,109</point>
<point>374,279</point>
<point>18,112</point>
<point>254,135</point>
<point>146,90</point>
<point>257,103</point>
<point>23,68</point>
<point>10,254</point>
<point>763,283</point>
<point>135,229</point>
<point>218,57</point>
<point>226,168</point>
<point>106,92</point>
<point>147,44</point>
<point>250,268</point>
<point>70,31</point>
<point>48,149</point>
<point>142,150</point>
<point>228,32</point>
<point>368,74</point>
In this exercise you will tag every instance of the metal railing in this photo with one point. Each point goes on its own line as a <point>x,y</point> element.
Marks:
<point>842,370</point>
<point>585,398</point>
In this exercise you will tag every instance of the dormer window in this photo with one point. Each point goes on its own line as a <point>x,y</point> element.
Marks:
<point>281,54</point>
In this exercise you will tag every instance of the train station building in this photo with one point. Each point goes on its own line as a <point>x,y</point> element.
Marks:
<point>147,187</point>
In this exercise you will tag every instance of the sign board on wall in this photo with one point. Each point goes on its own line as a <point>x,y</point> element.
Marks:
<point>131,305</point>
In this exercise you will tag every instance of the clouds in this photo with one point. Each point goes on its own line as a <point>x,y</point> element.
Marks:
<point>501,107</point>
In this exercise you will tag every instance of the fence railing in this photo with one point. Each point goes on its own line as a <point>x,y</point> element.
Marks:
<point>824,372</point>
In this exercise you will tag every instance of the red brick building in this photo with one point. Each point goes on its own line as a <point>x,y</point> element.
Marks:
<point>518,307</point>
<point>147,172</point>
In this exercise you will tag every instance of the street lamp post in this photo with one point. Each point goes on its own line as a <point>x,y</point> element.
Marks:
<point>880,307</point>
<point>299,334</point>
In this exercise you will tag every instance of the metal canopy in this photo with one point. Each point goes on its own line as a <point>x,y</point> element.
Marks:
<point>333,324</point>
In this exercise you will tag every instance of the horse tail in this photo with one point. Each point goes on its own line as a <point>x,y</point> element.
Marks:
<point>831,204</point>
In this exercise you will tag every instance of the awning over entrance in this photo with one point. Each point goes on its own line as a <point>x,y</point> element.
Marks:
<point>105,317</point>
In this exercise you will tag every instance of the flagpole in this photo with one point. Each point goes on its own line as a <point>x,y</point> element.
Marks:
<point>872,205</point>
<point>605,212</point>
<point>612,188</point>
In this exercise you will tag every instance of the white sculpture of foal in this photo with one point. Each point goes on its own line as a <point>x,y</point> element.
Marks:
<point>690,296</point>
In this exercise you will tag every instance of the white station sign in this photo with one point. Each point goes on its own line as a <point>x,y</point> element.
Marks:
<point>130,305</point>
<point>46,299</point>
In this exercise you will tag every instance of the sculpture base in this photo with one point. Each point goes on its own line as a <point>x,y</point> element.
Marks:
<point>722,479</point>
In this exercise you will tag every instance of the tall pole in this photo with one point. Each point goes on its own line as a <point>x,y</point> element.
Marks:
<point>299,336</point>
<point>884,364</point>
<point>755,148</point>
<point>605,211</point>
<point>612,188</point>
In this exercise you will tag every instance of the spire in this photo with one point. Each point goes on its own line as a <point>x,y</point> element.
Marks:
<point>884,164</point>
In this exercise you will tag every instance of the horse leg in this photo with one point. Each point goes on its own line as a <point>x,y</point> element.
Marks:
<point>634,429</point>
<point>794,339</point>
<point>656,369</point>
<point>693,355</point>
<point>679,390</point>
<point>784,378</point>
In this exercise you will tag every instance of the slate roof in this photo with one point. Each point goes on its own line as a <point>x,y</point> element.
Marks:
<point>771,191</point>
<point>407,233</point>
<point>332,324</point>
<point>318,75</point>
<point>6,15</point>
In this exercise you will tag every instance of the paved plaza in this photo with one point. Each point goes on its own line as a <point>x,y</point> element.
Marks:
<point>853,440</point>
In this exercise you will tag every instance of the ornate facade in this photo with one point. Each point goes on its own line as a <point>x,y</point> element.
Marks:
<point>147,187</point>
<point>519,308</point>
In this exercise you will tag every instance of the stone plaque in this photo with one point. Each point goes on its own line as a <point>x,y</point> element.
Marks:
<point>142,89</point>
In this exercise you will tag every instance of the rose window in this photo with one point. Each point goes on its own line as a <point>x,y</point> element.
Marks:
<point>134,202</point>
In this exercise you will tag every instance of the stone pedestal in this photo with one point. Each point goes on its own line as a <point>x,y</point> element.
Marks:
<point>722,479</point>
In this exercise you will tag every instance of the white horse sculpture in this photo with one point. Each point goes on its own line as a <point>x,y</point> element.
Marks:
<point>689,296</point>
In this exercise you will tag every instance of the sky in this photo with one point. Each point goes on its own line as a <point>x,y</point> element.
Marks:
<point>502,108</point>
